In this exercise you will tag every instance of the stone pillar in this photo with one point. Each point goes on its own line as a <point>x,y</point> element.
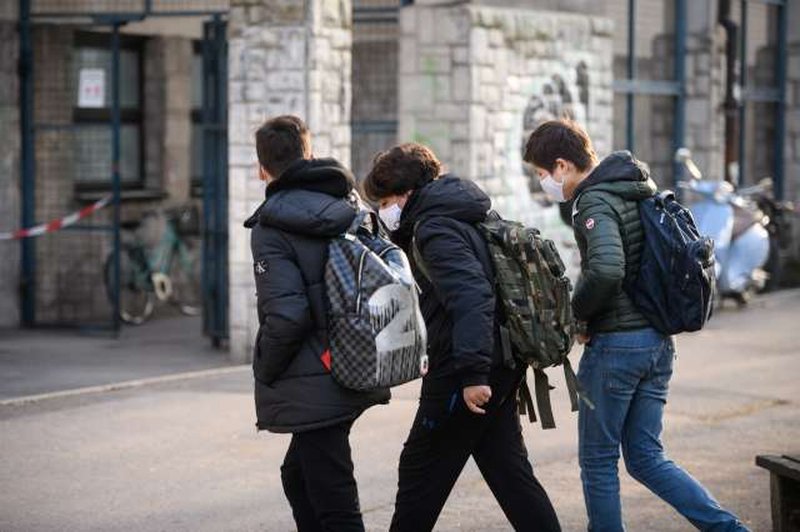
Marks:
<point>476,80</point>
<point>705,95</point>
<point>284,57</point>
<point>9,168</point>
<point>177,119</point>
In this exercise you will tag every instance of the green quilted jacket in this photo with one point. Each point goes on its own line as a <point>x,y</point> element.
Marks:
<point>610,237</point>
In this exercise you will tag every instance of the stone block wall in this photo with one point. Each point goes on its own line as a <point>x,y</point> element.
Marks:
<point>9,172</point>
<point>705,92</point>
<point>476,80</point>
<point>285,57</point>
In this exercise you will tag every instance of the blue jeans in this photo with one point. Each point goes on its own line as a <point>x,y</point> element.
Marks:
<point>626,375</point>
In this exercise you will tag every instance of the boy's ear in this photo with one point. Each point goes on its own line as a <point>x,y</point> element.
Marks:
<point>263,175</point>
<point>564,165</point>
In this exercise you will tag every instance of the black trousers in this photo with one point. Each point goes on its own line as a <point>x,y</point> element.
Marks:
<point>318,480</point>
<point>445,434</point>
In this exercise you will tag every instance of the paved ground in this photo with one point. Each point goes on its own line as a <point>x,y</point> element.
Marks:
<point>43,361</point>
<point>183,455</point>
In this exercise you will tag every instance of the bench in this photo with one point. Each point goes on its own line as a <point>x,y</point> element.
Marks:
<point>784,490</point>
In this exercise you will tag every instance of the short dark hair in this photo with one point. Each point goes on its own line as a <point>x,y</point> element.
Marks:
<point>560,139</point>
<point>400,169</point>
<point>281,141</point>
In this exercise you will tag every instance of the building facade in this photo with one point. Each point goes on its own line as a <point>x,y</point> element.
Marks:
<point>469,78</point>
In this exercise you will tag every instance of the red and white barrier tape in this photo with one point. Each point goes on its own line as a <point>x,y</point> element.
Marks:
<point>59,223</point>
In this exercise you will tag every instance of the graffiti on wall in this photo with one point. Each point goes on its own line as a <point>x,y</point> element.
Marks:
<point>554,97</point>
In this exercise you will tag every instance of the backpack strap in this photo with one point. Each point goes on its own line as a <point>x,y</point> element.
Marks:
<point>543,398</point>
<point>417,255</point>
<point>419,263</point>
<point>576,391</point>
<point>360,218</point>
<point>505,344</point>
<point>572,385</point>
<point>542,390</point>
<point>525,401</point>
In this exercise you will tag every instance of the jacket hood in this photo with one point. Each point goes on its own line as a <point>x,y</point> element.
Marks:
<point>312,197</point>
<point>622,174</point>
<point>448,196</point>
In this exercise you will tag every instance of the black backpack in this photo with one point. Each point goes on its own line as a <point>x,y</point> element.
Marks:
<point>676,284</point>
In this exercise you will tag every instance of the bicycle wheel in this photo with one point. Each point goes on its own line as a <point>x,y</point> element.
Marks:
<point>184,272</point>
<point>136,298</point>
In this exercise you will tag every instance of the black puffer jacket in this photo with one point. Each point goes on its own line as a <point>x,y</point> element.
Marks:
<point>610,238</point>
<point>459,307</point>
<point>310,203</point>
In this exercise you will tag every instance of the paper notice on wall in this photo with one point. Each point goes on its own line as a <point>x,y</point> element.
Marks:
<point>92,88</point>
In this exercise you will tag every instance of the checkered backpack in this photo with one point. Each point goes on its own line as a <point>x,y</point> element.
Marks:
<point>376,330</point>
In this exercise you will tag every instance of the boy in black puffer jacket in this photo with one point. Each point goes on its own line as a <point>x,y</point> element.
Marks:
<point>308,202</point>
<point>468,403</point>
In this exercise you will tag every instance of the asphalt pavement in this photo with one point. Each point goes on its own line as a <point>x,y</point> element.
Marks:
<point>181,452</point>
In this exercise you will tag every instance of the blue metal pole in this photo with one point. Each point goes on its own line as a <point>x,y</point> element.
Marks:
<point>27,167</point>
<point>115,169</point>
<point>209,295</point>
<point>222,99</point>
<point>780,118</point>
<point>679,125</point>
<point>629,98</point>
<point>743,91</point>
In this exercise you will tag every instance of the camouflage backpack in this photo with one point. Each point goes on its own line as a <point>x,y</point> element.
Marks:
<point>535,296</point>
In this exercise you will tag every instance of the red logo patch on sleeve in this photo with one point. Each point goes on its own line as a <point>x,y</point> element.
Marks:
<point>590,223</point>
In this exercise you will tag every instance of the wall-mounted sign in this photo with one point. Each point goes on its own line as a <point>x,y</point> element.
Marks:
<point>92,88</point>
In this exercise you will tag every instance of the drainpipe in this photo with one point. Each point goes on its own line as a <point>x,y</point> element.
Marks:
<point>732,92</point>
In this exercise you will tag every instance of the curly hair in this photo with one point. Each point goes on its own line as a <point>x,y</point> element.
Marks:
<point>400,169</point>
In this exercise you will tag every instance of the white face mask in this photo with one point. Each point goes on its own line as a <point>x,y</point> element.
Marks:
<point>391,216</point>
<point>553,189</point>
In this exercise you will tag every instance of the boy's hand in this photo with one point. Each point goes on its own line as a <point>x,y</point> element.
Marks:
<point>477,396</point>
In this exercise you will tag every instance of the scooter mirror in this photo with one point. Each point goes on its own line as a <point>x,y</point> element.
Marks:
<point>682,155</point>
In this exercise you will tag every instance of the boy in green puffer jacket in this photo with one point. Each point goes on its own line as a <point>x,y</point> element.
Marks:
<point>626,364</point>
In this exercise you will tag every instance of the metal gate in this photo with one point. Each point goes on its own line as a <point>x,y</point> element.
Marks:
<point>83,143</point>
<point>375,70</point>
<point>761,93</point>
<point>215,181</point>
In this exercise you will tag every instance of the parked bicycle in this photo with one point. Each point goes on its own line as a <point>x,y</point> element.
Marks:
<point>164,267</point>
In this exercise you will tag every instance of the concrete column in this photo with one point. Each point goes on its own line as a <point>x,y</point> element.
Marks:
<point>285,57</point>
